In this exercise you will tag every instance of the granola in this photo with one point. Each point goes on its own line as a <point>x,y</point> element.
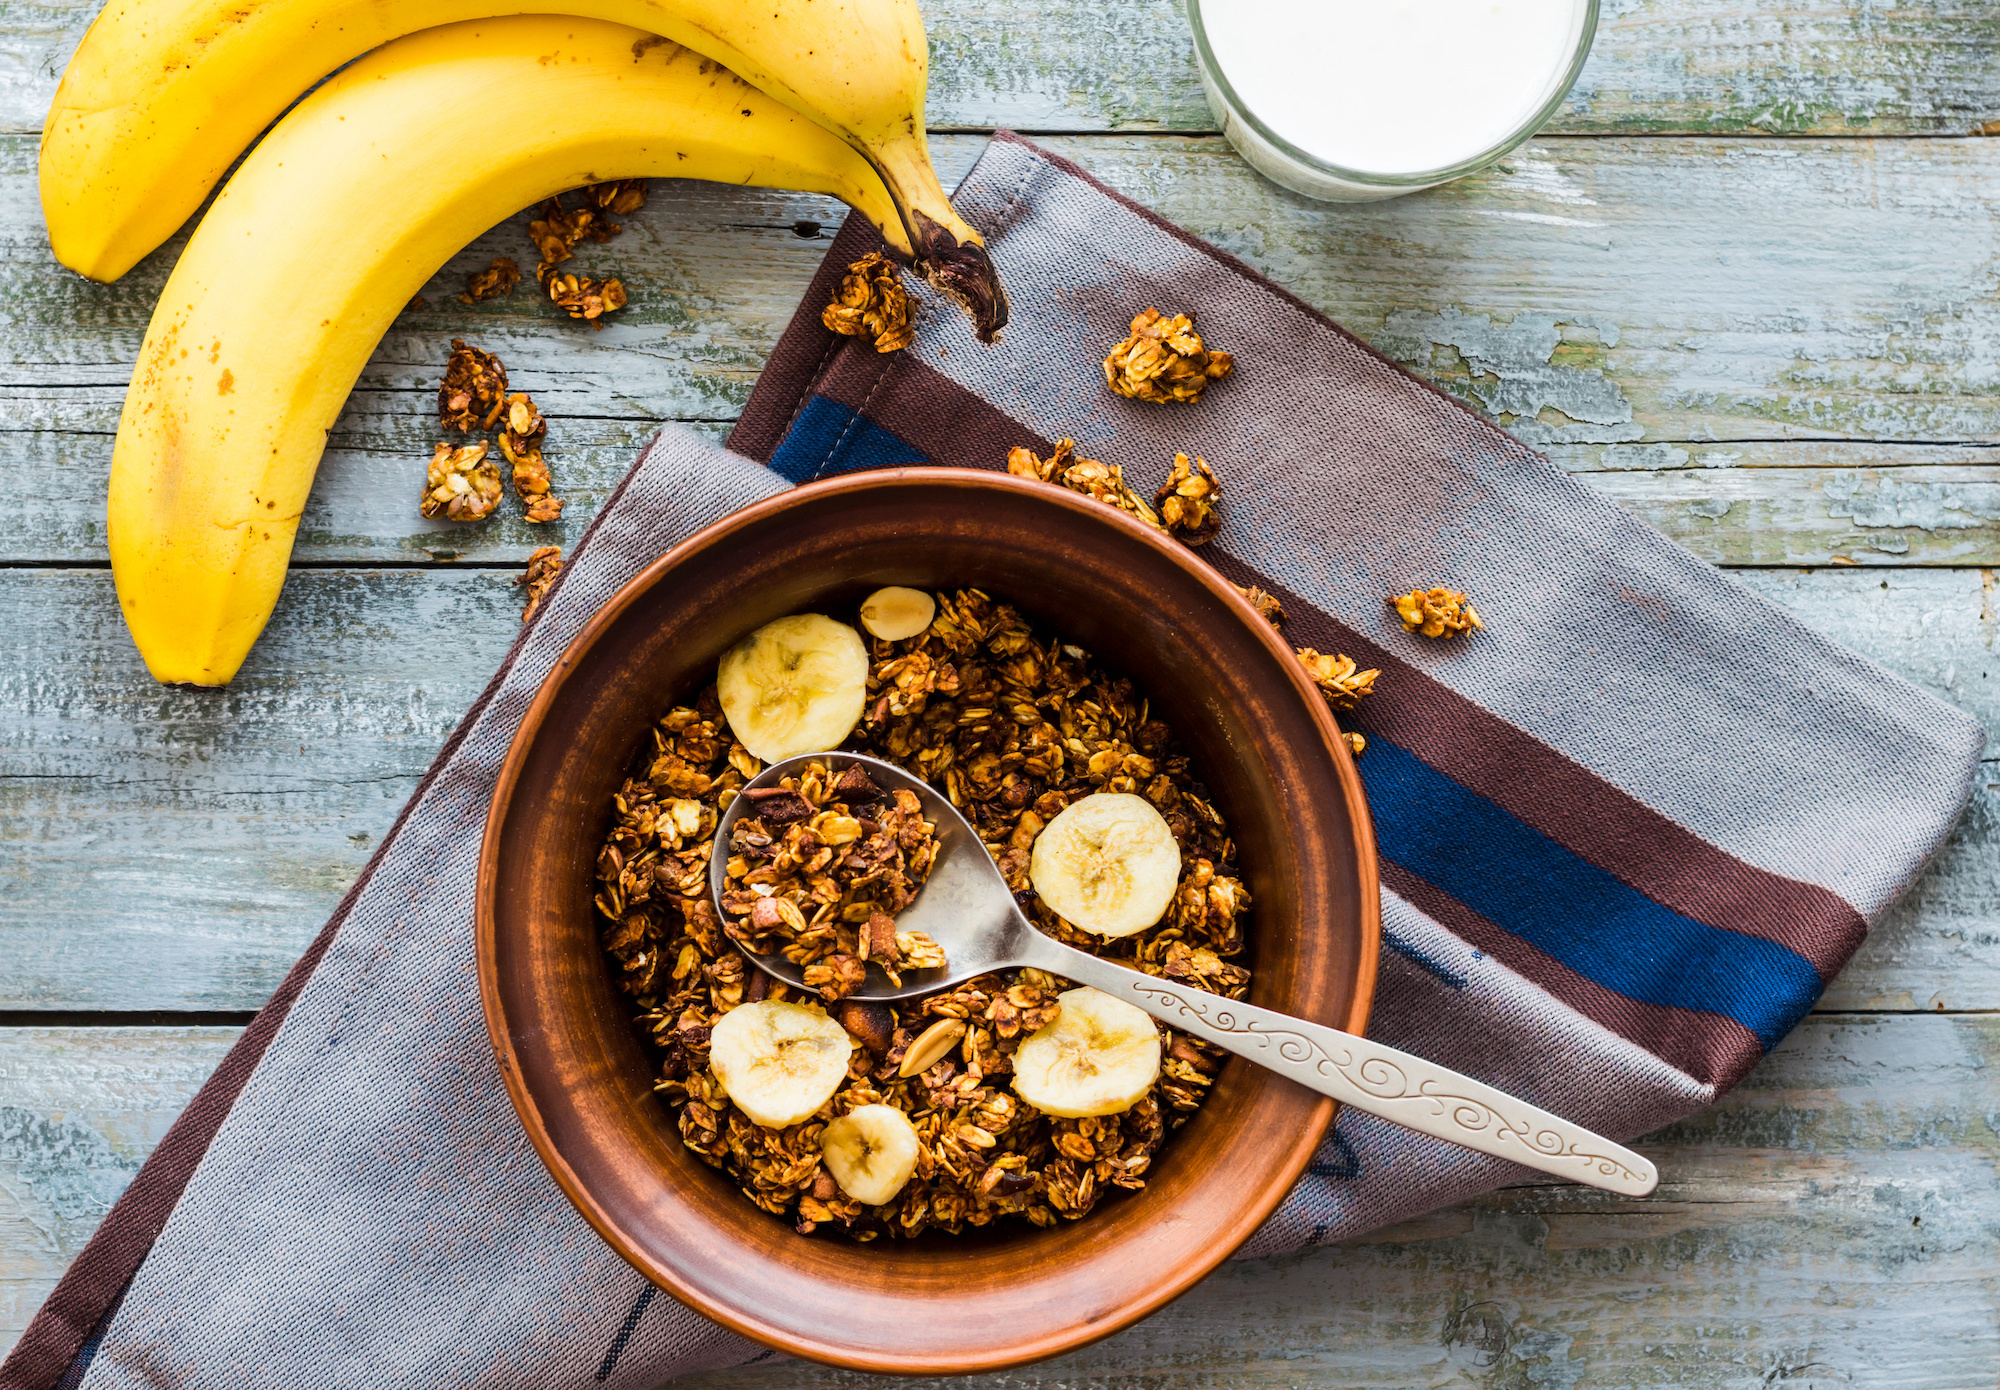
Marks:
<point>496,281</point>
<point>544,564</point>
<point>522,435</point>
<point>871,303</point>
<point>1164,360</point>
<point>1190,501</point>
<point>1435,612</point>
<point>1339,678</point>
<point>460,485</point>
<point>475,386</point>
<point>1012,725</point>
<point>1266,604</point>
<point>1101,482</point>
<point>581,296</point>
<point>818,869</point>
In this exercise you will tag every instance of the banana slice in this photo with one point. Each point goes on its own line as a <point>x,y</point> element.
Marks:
<point>778,1062</point>
<point>1098,1056</point>
<point>871,1152</point>
<point>1107,864</point>
<point>895,612</point>
<point>795,685</point>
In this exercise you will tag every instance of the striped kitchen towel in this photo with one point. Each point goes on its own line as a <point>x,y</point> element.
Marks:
<point>1628,833</point>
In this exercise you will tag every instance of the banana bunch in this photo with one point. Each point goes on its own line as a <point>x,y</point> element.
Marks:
<point>373,181</point>
<point>162,97</point>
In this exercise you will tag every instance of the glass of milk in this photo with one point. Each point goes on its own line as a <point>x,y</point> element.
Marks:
<point>1350,100</point>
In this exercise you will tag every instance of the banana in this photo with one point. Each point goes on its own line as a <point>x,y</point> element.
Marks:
<point>334,221</point>
<point>162,96</point>
<point>871,1152</point>
<point>1107,864</point>
<point>795,685</point>
<point>895,612</point>
<point>778,1063</point>
<point>1098,1056</point>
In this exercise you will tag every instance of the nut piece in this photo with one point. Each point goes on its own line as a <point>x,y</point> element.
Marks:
<point>1191,500</point>
<point>521,438</point>
<point>475,384</point>
<point>896,613</point>
<point>495,281</point>
<point>1338,678</point>
<point>544,564</point>
<point>1164,360</point>
<point>461,484</point>
<point>930,1045</point>
<point>1357,744</point>
<point>1435,612</point>
<point>1267,605</point>
<point>1101,482</point>
<point>871,303</point>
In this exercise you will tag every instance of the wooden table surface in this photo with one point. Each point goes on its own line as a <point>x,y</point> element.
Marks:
<point>1748,284</point>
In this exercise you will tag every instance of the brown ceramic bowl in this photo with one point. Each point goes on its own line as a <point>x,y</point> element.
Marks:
<point>1262,740</point>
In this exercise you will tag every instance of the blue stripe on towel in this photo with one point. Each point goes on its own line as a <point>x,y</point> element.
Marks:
<point>1520,879</point>
<point>828,438</point>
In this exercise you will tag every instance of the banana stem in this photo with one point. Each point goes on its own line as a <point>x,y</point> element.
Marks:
<point>949,252</point>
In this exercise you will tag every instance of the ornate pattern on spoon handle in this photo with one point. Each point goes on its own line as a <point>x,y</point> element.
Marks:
<point>1382,1081</point>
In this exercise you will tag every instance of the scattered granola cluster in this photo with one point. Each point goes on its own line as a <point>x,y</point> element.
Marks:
<point>1013,726</point>
<point>495,282</point>
<point>1435,612</point>
<point>818,869</point>
<point>1164,360</point>
<point>871,303</point>
<point>461,484</point>
<point>1101,482</point>
<point>544,564</point>
<point>1190,501</point>
<point>474,399</point>
<point>558,232</point>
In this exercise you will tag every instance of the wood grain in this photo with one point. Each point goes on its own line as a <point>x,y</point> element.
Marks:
<point>1830,1222</point>
<point>1704,66</point>
<point>177,848</point>
<point>1649,310</point>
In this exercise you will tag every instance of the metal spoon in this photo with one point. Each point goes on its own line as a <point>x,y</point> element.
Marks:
<point>968,909</point>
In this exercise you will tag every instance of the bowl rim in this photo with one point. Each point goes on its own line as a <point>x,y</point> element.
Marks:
<point>486,930</point>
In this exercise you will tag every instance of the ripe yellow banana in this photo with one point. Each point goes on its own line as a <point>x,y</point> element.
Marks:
<point>163,95</point>
<point>336,219</point>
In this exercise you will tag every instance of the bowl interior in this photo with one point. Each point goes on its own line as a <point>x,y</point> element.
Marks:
<point>1261,740</point>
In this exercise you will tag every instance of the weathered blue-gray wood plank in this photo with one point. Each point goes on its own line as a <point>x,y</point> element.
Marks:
<point>1775,351</point>
<point>175,848</point>
<point>1832,1222</point>
<point>1829,66</point>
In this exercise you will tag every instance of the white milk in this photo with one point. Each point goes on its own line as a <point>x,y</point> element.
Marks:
<point>1395,87</point>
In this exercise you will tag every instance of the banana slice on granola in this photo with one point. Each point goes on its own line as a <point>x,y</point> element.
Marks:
<point>1107,863</point>
<point>778,1062</point>
<point>795,685</point>
<point>895,612</point>
<point>1098,1056</point>
<point>871,1152</point>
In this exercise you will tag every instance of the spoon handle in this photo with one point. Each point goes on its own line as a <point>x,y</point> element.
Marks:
<point>1401,1088</point>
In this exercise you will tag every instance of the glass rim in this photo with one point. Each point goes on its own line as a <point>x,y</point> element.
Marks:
<point>1212,71</point>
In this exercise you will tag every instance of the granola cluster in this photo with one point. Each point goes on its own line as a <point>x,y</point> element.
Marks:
<point>545,562</point>
<point>1190,501</point>
<point>1164,360</point>
<point>1012,725</point>
<point>1435,612</point>
<point>818,869</point>
<point>560,230</point>
<point>495,282</point>
<point>1101,482</point>
<point>473,399</point>
<point>870,302</point>
<point>461,483</point>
